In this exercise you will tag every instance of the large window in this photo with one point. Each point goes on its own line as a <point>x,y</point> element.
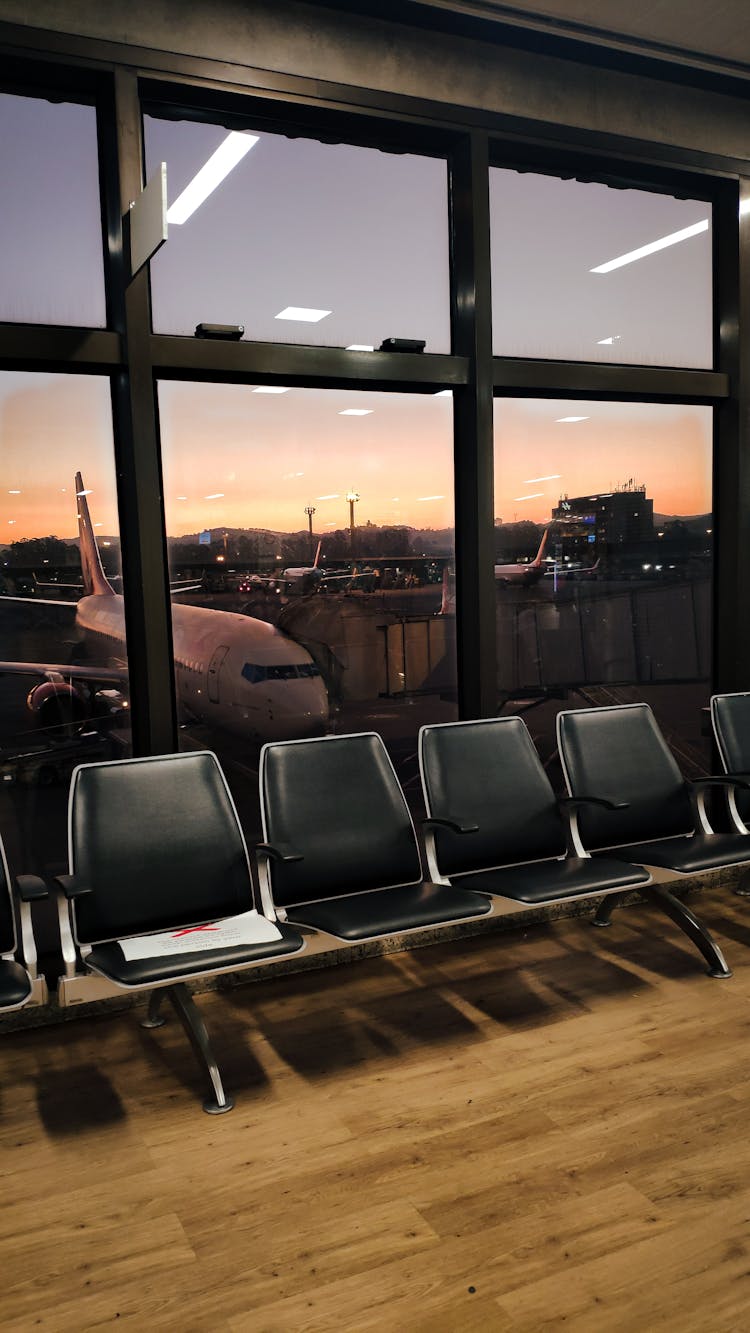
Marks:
<point>63,680</point>
<point>585,272</point>
<point>300,242</point>
<point>603,549</point>
<point>323,520</point>
<point>51,268</point>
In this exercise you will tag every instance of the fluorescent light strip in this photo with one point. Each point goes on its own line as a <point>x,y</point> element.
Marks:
<point>553,476</point>
<point>305,314</point>
<point>212,173</point>
<point>663,243</point>
<point>535,496</point>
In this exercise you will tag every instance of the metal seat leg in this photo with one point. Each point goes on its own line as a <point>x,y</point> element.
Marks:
<point>603,913</point>
<point>153,1018</point>
<point>190,1017</point>
<point>692,927</point>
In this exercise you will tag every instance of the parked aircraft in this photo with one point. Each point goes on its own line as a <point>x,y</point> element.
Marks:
<point>232,671</point>
<point>524,574</point>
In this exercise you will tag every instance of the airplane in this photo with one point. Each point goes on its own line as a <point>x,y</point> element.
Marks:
<point>232,671</point>
<point>304,578</point>
<point>524,574</point>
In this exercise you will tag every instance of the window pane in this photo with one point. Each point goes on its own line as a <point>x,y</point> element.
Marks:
<point>603,542</point>
<point>363,634</point>
<point>51,269</point>
<point>547,237</point>
<point>354,232</point>
<point>53,713</point>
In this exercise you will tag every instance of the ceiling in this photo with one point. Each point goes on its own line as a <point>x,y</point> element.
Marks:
<point>709,34</point>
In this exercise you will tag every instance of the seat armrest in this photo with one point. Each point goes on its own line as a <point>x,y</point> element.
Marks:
<point>71,887</point>
<point>279,851</point>
<point>569,806</point>
<point>31,888</point>
<point>573,803</point>
<point>455,825</point>
<point>722,780</point>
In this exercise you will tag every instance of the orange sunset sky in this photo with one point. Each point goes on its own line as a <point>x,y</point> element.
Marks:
<point>264,457</point>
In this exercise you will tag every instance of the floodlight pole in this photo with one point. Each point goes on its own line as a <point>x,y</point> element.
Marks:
<point>310,510</point>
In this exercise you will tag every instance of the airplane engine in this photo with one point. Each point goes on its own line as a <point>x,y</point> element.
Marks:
<point>56,703</point>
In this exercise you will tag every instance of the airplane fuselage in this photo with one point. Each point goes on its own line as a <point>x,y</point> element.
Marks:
<point>232,671</point>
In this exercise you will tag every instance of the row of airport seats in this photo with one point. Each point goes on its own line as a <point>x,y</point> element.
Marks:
<point>160,890</point>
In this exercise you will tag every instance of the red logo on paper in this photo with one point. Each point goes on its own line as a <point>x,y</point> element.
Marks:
<point>192,930</point>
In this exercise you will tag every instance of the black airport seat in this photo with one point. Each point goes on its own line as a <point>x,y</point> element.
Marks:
<point>494,824</point>
<point>19,981</point>
<point>340,851</point>
<point>156,851</point>
<point>657,817</point>
<point>730,717</point>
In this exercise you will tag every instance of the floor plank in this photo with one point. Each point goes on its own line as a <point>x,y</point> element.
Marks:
<point>522,1131</point>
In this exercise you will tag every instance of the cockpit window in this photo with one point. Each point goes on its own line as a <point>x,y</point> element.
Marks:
<point>294,671</point>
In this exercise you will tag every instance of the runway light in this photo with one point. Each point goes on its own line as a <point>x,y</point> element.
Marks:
<point>305,314</point>
<point>663,243</point>
<point>212,173</point>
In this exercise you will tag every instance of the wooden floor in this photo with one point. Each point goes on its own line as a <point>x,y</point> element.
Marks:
<point>546,1129</point>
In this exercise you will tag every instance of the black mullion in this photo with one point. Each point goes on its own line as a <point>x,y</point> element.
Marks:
<point>144,555</point>
<point>591,379</point>
<point>732,435</point>
<point>473,442</point>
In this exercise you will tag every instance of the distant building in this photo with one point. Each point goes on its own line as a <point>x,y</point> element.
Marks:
<point>597,525</point>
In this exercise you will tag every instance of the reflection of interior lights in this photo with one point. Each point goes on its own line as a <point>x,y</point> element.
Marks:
<point>219,495</point>
<point>664,241</point>
<point>270,388</point>
<point>182,497</point>
<point>609,342</point>
<point>360,347</point>
<point>306,314</point>
<point>444,393</point>
<point>79,493</point>
<point>211,174</point>
<point>14,492</point>
<point>420,498</point>
<point>553,476</point>
<point>535,496</point>
<point>356,412</point>
<point>335,496</point>
<point>558,420</point>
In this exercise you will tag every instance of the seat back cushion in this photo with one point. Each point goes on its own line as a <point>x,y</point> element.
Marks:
<point>620,754</point>
<point>338,802</point>
<point>7,923</point>
<point>158,843</point>
<point>730,714</point>
<point>489,773</point>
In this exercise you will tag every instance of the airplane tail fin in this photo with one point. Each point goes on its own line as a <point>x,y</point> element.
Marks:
<point>95,581</point>
<point>317,554</point>
<point>536,562</point>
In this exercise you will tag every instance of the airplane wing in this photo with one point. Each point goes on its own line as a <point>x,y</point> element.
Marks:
<point>35,601</point>
<point>64,671</point>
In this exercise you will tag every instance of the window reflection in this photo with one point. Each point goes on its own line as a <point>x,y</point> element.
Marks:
<point>555,293</point>
<point>51,269</point>
<point>301,241</point>
<point>63,681</point>
<point>604,546</point>
<point>315,547</point>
